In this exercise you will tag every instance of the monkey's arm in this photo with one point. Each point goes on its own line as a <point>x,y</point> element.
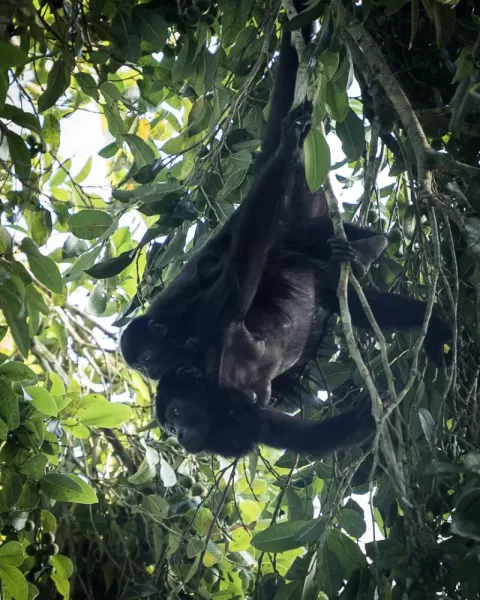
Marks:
<point>315,238</point>
<point>256,231</point>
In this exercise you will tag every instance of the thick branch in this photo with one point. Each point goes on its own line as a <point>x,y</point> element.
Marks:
<point>426,158</point>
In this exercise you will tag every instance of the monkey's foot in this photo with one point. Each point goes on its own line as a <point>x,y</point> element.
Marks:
<point>341,250</point>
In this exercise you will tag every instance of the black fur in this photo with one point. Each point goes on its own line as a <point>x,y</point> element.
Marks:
<point>225,422</point>
<point>242,309</point>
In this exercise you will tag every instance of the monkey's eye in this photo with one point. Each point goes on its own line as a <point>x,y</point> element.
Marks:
<point>158,328</point>
<point>147,356</point>
<point>171,430</point>
<point>176,412</point>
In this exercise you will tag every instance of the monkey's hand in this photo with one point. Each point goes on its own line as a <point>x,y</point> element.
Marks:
<point>342,251</point>
<point>296,125</point>
<point>365,420</point>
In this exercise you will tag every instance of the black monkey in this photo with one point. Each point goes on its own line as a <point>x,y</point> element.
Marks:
<point>170,333</point>
<point>226,422</point>
<point>174,331</point>
<point>243,307</point>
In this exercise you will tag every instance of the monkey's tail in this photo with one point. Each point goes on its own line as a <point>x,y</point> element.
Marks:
<point>316,437</point>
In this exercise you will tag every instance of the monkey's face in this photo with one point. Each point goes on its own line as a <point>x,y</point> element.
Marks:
<point>150,348</point>
<point>183,408</point>
<point>191,425</point>
<point>205,418</point>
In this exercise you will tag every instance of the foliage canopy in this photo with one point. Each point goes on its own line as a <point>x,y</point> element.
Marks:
<point>95,501</point>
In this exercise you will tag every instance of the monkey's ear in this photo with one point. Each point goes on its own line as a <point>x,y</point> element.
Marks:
<point>157,328</point>
<point>189,372</point>
<point>192,344</point>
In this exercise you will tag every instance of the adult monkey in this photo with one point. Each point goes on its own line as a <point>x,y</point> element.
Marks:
<point>172,332</point>
<point>243,306</point>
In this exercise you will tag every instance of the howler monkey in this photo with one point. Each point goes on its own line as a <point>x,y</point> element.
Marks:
<point>242,308</point>
<point>207,419</point>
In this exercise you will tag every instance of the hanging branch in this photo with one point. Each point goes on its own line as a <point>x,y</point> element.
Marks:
<point>427,158</point>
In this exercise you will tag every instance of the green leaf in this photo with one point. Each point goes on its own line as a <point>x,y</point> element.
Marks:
<point>126,36</point>
<point>22,118</point>
<point>79,431</point>
<point>19,155</point>
<point>112,266</point>
<point>63,565</point>
<point>40,224</point>
<point>444,18</point>
<point>429,427</point>
<point>3,88</point>
<point>33,591</point>
<point>57,386</point>
<point>12,56</point>
<point>14,581</point>
<point>317,159</point>
<point>199,117</point>
<point>96,411</point>
<point>85,171</point>
<point>42,400</point>
<point>348,552</point>
<point>115,122</point>
<point>29,498</point>
<point>352,521</point>
<point>48,522</point>
<point>67,487</point>
<point>63,570</point>
<point>466,518</point>
<point>88,495</point>
<point>12,489</point>
<point>279,537</point>
<point>184,66</point>
<point>142,153</point>
<point>109,150</point>
<point>58,81</point>
<point>147,470</point>
<point>330,574</point>
<point>310,532</point>
<point>6,242</point>
<point>156,506</point>
<point>3,430</point>
<point>17,371</point>
<point>9,409</point>
<point>393,6</point>
<point>151,26</point>
<point>43,267</point>
<point>87,84</point>
<point>15,315</point>
<point>409,223</point>
<point>11,554</point>
<point>336,100</point>
<point>61,173</point>
<point>335,374</point>
<point>51,132</point>
<point>89,224</point>
<point>97,300</point>
<point>82,264</point>
<point>35,466</point>
<point>352,135</point>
